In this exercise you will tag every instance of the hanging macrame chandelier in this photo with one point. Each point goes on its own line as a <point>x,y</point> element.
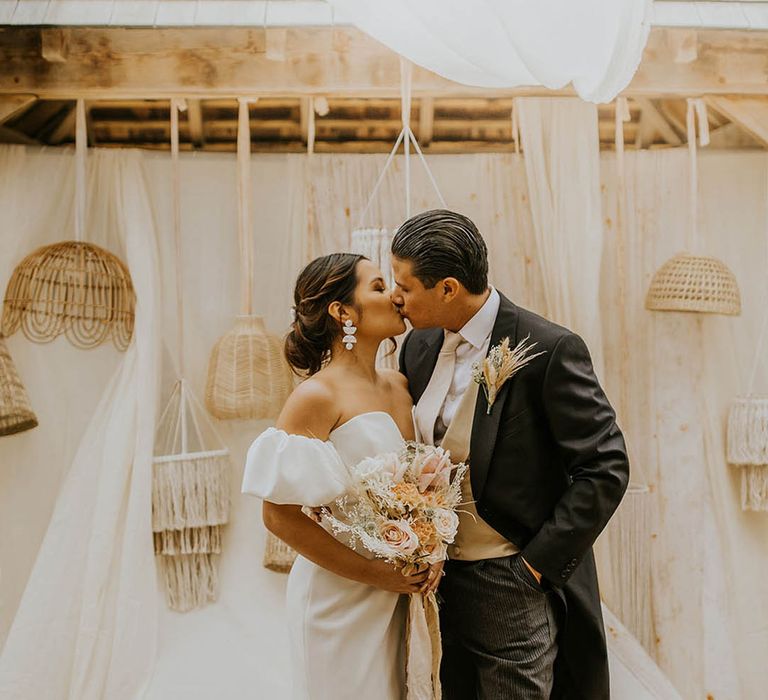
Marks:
<point>747,436</point>
<point>687,281</point>
<point>190,474</point>
<point>73,288</point>
<point>248,376</point>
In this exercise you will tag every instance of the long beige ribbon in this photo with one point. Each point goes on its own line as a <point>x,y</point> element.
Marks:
<point>423,648</point>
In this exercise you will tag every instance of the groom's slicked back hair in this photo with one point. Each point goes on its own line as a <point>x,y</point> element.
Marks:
<point>441,243</point>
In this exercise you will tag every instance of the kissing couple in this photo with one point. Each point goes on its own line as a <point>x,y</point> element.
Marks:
<point>519,606</point>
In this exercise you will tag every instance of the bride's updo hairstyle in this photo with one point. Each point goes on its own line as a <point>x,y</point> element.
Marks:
<point>325,280</point>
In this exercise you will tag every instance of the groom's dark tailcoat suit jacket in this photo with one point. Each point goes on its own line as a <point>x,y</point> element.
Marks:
<point>548,467</point>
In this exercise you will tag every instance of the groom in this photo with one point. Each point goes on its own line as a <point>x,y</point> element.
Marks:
<point>520,616</point>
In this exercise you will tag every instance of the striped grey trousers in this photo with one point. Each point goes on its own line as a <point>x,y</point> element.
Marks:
<point>499,631</point>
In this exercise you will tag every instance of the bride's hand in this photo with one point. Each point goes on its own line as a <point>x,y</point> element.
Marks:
<point>433,579</point>
<point>391,578</point>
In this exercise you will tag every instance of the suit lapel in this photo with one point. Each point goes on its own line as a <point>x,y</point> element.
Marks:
<point>430,341</point>
<point>485,426</point>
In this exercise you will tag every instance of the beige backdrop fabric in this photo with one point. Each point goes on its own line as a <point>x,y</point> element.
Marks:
<point>709,558</point>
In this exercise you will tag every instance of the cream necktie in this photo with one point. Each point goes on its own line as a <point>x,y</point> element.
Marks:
<point>433,398</point>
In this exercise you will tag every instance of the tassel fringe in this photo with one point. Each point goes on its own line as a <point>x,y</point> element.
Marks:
<point>754,487</point>
<point>190,493</point>
<point>191,580</point>
<point>198,540</point>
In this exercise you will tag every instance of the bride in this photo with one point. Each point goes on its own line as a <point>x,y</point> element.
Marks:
<point>345,609</point>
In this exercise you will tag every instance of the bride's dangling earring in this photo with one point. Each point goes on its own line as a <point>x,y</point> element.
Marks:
<point>349,339</point>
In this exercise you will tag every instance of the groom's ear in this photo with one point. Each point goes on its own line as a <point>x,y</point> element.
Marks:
<point>450,287</point>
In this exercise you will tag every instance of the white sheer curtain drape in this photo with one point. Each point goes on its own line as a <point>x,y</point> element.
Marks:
<point>86,625</point>
<point>595,44</point>
<point>562,163</point>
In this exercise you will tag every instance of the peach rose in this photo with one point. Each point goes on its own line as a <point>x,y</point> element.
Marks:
<point>399,535</point>
<point>435,470</point>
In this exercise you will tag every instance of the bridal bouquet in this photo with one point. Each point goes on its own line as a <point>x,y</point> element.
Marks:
<point>402,508</point>
<point>403,505</point>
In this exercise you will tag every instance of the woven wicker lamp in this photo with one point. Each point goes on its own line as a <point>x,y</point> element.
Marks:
<point>16,415</point>
<point>689,282</point>
<point>248,376</point>
<point>73,288</point>
<point>191,468</point>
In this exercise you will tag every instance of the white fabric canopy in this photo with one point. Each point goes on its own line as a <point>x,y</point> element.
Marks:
<point>595,44</point>
<point>86,626</point>
<point>710,619</point>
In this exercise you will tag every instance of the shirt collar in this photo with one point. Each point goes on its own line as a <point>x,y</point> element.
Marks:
<point>478,329</point>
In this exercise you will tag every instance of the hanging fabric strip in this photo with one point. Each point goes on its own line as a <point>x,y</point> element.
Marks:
<point>621,115</point>
<point>311,133</point>
<point>176,106</point>
<point>406,72</point>
<point>81,147</point>
<point>515,129</point>
<point>697,111</point>
<point>764,328</point>
<point>244,205</point>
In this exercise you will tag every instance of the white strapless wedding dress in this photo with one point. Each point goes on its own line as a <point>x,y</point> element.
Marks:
<point>347,638</point>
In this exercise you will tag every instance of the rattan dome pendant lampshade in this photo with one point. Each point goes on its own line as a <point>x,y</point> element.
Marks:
<point>16,414</point>
<point>692,282</point>
<point>73,288</point>
<point>248,377</point>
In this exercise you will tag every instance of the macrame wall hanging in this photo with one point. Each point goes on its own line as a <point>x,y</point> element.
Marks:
<point>248,376</point>
<point>73,288</point>
<point>688,281</point>
<point>374,242</point>
<point>16,414</point>
<point>747,436</point>
<point>190,480</point>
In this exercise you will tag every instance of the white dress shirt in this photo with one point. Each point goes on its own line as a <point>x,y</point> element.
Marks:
<point>476,337</point>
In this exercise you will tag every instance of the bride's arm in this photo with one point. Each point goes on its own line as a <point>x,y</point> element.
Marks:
<point>311,541</point>
<point>312,411</point>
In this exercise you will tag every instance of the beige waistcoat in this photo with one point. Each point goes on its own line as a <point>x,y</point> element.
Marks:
<point>475,539</point>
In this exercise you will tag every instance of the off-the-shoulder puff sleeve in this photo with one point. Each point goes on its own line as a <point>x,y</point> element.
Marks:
<point>283,468</point>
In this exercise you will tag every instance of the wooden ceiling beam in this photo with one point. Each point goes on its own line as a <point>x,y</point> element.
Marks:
<point>657,122</point>
<point>749,113</point>
<point>116,63</point>
<point>13,105</point>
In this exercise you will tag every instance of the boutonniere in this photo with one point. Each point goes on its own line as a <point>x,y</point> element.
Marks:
<point>501,364</point>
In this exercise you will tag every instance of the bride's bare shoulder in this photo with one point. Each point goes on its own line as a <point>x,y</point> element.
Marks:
<point>394,378</point>
<point>311,409</point>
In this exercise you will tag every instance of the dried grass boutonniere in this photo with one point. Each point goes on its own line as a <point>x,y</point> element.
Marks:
<point>501,364</point>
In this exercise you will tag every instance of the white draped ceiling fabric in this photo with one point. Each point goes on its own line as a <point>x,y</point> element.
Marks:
<point>594,44</point>
<point>709,614</point>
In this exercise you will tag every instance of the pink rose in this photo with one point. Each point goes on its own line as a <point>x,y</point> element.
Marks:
<point>435,470</point>
<point>399,535</point>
